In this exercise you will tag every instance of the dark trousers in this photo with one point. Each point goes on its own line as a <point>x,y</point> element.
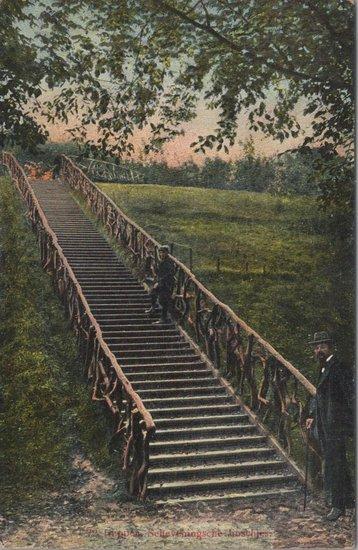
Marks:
<point>164,297</point>
<point>337,480</point>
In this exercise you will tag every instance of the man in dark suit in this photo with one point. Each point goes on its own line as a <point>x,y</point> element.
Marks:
<point>163,287</point>
<point>331,418</point>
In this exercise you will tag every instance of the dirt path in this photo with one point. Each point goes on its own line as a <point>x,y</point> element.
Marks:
<point>93,514</point>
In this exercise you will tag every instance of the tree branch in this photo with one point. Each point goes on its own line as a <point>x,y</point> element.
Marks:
<point>325,21</point>
<point>292,73</point>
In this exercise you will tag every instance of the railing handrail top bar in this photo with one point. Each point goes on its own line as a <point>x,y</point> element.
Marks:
<point>306,383</point>
<point>146,414</point>
<point>94,160</point>
<point>115,206</point>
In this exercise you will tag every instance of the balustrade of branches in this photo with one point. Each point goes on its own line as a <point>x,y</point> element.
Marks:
<point>134,426</point>
<point>101,170</point>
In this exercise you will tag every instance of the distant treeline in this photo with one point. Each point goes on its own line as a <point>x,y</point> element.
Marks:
<point>287,174</point>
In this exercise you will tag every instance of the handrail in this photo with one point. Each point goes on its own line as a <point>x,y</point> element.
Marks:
<point>275,389</point>
<point>108,171</point>
<point>101,354</point>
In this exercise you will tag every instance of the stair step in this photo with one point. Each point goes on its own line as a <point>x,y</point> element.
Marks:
<point>107,279</point>
<point>101,257</point>
<point>128,350</point>
<point>157,366</point>
<point>177,359</point>
<point>147,352</point>
<point>118,298</point>
<point>204,420</point>
<point>110,313</point>
<point>100,271</point>
<point>182,392</point>
<point>136,314</point>
<point>77,241</point>
<point>176,384</point>
<point>185,487</point>
<point>103,294</point>
<point>152,343</point>
<point>245,496</point>
<point>204,458</point>
<point>159,475</point>
<point>105,307</point>
<point>97,264</point>
<point>113,311</point>
<point>154,376</point>
<point>76,249</point>
<point>209,443</point>
<point>97,267</point>
<point>188,411</point>
<point>102,285</point>
<point>143,331</point>
<point>201,432</point>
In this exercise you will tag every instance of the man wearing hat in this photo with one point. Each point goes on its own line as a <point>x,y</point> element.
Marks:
<point>163,288</point>
<point>331,417</point>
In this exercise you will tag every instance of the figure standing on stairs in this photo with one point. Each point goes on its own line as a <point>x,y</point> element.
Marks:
<point>331,418</point>
<point>56,167</point>
<point>161,293</point>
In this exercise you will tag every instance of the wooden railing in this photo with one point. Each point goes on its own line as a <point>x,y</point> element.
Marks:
<point>134,426</point>
<point>270,386</point>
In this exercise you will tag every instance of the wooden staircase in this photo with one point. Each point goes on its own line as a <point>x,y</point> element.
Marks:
<point>205,447</point>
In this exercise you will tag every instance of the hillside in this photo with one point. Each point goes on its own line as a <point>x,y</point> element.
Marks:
<point>48,419</point>
<point>274,254</point>
<point>59,487</point>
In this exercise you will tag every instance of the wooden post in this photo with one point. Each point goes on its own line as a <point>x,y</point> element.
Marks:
<point>171,248</point>
<point>218,265</point>
<point>191,259</point>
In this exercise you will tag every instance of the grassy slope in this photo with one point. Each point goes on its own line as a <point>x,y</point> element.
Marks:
<point>285,237</point>
<point>48,412</point>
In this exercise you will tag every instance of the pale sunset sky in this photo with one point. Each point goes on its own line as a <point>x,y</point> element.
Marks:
<point>179,150</point>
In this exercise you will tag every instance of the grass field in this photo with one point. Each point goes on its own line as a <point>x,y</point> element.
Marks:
<point>274,255</point>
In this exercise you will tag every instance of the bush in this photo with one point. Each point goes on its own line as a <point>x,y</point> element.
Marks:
<point>293,175</point>
<point>287,174</point>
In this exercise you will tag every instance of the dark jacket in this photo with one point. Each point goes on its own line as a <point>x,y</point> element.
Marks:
<point>333,406</point>
<point>165,275</point>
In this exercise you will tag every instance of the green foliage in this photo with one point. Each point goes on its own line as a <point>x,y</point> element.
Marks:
<point>289,174</point>
<point>289,288</point>
<point>147,64</point>
<point>294,174</point>
<point>45,154</point>
<point>253,173</point>
<point>21,74</point>
<point>47,409</point>
<point>161,57</point>
<point>215,173</point>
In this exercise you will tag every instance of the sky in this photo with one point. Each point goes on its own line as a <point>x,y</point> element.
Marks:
<point>178,151</point>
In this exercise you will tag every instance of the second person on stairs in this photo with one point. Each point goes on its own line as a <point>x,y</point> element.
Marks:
<point>161,293</point>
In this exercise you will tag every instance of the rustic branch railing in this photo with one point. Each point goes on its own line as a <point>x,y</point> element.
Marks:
<point>266,382</point>
<point>134,426</point>
<point>101,170</point>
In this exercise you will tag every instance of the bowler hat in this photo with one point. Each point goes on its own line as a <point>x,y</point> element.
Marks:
<point>321,338</point>
<point>164,248</point>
